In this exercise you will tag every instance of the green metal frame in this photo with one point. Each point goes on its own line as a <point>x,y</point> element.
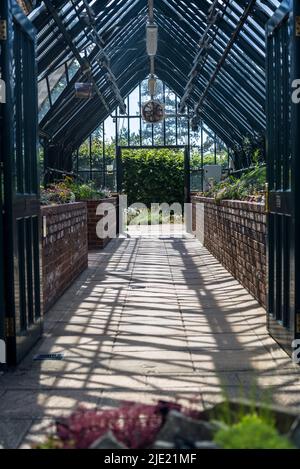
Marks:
<point>283,170</point>
<point>97,172</point>
<point>2,305</point>
<point>234,104</point>
<point>23,325</point>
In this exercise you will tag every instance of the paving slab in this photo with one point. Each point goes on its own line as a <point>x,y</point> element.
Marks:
<point>12,432</point>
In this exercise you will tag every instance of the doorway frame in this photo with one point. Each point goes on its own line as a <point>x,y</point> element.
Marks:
<point>186,168</point>
<point>283,317</point>
<point>21,199</point>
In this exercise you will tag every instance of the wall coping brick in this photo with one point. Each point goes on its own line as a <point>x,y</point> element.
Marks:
<point>235,204</point>
<point>100,201</point>
<point>61,208</point>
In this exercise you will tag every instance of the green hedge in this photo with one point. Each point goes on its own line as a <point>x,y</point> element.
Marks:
<point>153,176</point>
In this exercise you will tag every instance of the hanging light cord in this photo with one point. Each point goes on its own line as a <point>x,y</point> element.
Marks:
<point>151,11</point>
<point>151,21</point>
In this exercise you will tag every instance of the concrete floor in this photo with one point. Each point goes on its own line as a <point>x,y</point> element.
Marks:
<point>152,317</point>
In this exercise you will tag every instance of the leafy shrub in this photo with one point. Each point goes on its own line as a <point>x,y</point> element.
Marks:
<point>87,191</point>
<point>58,193</point>
<point>251,151</point>
<point>249,186</point>
<point>251,432</point>
<point>70,191</point>
<point>153,176</point>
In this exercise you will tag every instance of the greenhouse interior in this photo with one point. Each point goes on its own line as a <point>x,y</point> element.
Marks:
<point>149,267</point>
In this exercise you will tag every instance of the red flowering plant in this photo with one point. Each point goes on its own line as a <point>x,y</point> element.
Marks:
<point>134,425</point>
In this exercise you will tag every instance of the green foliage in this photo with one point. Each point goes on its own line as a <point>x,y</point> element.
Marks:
<point>87,191</point>
<point>209,158</point>
<point>52,442</point>
<point>147,217</point>
<point>221,158</point>
<point>58,193</point>
<point>69,191</point>
<point>153,176</point>
<point>96,152</point>
<point>250,184</point>
<point>251,432</point>
<point>251,151</point>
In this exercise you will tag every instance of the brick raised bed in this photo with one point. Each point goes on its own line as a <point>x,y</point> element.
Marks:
<point>64,248</point>
<point>235,233</point>
<point>95,242</point>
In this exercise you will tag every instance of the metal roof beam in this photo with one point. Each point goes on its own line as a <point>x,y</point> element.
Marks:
<point>86,66</point>
<point>239,27</point>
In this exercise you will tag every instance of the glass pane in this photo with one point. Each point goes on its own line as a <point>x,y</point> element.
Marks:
<point>97,148</point>
<point>97,152</point>
<point>170,101</point>
<point>123,130</point>
<point>73,68</point>
<point>134,126</point>
<point>159,90</point>
<point>208,147</point>
<point>84,176</point>
<point>170,124</point>
<point>195,158</point>
<point>134,104</point>
<point>83,157</point>
<point>158,133</point>
<point>146,133</point>
<point>195,137</point>
<point>221,153</point>
<point>182,131</point>
<point>98,133</point>
<point>58,87</point>
<point>97,178</point>
<point>144,91</point>
<point>44,108</point>
<point>109,129</point>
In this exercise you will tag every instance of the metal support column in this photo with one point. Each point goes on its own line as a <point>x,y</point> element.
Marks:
<point>187,175</point>
<point>295,170</point>
<point>119,169</point>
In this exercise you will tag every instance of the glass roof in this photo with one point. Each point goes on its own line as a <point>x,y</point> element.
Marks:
<point>210,53</point>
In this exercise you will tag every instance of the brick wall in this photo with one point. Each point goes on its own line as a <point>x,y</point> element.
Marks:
<point>64,248</point>
<point>94,242</point>
<point>235,233</point>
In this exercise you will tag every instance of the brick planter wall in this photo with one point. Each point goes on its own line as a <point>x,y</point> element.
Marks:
<point>64,249</point>
<point>94,242</point>
<point>235,233</point>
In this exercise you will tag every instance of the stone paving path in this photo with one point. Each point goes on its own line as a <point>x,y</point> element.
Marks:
<point>152,317</point>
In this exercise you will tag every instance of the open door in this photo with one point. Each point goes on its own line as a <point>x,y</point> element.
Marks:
<point>283,170</point>
<point>21,184</point>
<point>2,333</point>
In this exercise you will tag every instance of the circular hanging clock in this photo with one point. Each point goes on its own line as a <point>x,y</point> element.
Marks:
<point>153,112</point>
